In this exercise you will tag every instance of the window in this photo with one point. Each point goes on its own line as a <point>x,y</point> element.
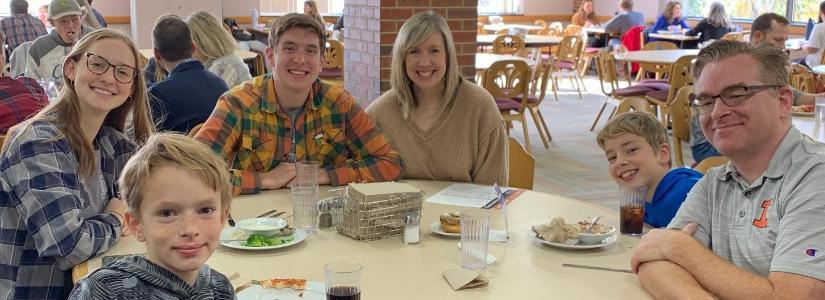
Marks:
<point>34,5</point>
<point>500,7</point>
<point>801,10</point>
<point>325,7</point>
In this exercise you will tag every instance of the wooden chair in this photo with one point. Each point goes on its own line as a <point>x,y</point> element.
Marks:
<point>480,29</point>
<point>710,162</point>
<point>609,83</point>
<point>194,130</point>
<point>557,28</point>
<point>333,68</point>
<point>543,24</point>
<point>679,77</point>
<point>634,104</point>
<point>733,36</point>
<point>503,31</point>
<point>802,79</point>
<point>521,166</point>
<point>680,114</point>
<point>566,63</point>
<point>659,71</point>
<point>506,80</point>
<point>538,90</point>
<point>508,44</point>
<point>572,29</point>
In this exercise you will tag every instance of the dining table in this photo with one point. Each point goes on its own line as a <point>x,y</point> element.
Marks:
<point>658,57</point>
<point>524,268</point>
<point>805,123</point>
<point>249,57</point>
<point>679,38</point>
<point>530,40</point>
<point>497,27</point>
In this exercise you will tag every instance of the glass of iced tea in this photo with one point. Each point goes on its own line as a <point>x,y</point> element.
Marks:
<point>343,280</point>
<point>632,210</point>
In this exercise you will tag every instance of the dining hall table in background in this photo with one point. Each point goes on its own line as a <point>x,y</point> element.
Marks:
<point>681,38</point>
<point>250,57</point>
<point>659,57</point>
<point>524,269</point>
<point>530,40</point>
<point>497,27</point>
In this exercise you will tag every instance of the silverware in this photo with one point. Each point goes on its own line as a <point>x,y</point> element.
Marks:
<point>589,227</point>
<point>277,215</point>
<point>266,213</point>
<point>596,268</point>
<point>231,221</point>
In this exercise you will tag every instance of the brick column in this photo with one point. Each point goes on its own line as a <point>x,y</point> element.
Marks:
<point>370,31</point>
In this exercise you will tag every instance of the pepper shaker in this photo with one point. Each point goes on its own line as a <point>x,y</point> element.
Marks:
<point>412,228</point>
<point>324,217</point>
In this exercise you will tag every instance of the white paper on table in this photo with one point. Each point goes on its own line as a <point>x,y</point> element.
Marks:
<point>502,200</point>
<point>497,236</point>
<point>465,194</point>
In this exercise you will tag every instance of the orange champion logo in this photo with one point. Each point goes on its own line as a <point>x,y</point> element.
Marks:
<point>762,222</point>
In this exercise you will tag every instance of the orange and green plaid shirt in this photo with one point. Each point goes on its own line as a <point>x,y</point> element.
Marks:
<point>250,130</point>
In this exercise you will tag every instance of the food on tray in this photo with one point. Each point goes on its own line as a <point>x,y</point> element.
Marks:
<point>282,283</point>
<point>804,108</point>
<point>262,240</point>
<point>597,228</point>
<point>451,222</point>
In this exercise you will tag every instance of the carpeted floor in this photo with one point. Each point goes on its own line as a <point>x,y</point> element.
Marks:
<point>574,165</point>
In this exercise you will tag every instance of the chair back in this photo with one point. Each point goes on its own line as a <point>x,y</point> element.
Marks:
<point>572,29</point>
<point>606,69</point>
<point>194,130</point>
<point>629,104</point>
<point>658,70</point>
<point>710,162</point>
<point>541,23</point>
<point>521,165</point>
<point>570,48</point>
<point>557,27</point>
<point>507,44</point>
<point>508,79</point>
<point>681,114</point>
<point>334,55</point>
<point>733,36</point>
<point>802,79</point>
<point>680,75</point>
<point>480,29</point>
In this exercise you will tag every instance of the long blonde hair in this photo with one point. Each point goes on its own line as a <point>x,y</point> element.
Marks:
<point>315,14</point>
<point>717,16</point>
<point>212,40</point>
<point>414,32</point>
<point>65,111</point>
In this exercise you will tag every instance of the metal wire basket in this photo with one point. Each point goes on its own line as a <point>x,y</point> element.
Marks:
<point>378,210</point>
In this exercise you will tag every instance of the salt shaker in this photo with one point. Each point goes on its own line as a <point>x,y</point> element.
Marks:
<point>412,228</point>
<point>324,216</point>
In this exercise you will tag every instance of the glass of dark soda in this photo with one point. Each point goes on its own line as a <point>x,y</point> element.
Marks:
<point>632,210</point>
<point>343,280</point>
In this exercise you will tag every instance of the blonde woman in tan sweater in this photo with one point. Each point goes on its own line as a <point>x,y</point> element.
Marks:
<point>444,127</point>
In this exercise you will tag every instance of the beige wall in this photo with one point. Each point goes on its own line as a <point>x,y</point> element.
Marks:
<point>548,7</point>
<point>649,8</point>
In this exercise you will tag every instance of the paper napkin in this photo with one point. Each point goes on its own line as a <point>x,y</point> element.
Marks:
<point>460,279</point>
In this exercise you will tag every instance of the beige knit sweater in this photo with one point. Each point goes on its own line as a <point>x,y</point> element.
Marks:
<point>468,144</point>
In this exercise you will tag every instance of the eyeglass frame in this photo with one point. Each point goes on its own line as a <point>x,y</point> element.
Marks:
<point>750,90</point>
<point>109,65</point>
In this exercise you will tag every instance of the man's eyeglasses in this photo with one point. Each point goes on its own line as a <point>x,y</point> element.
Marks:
<point>99,66</point>
<point>730,96</point>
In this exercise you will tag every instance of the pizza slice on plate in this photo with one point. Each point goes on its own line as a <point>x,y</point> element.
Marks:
<point>282,283</point>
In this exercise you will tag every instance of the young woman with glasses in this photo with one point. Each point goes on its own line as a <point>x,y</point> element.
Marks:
<point>59,169</point>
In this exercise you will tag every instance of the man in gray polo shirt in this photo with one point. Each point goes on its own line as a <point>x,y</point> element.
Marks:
<point>757,223</point>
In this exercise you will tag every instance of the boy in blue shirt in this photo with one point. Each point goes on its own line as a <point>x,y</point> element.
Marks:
<point>638,153</point>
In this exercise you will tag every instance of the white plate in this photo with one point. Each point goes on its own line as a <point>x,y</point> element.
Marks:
<point>261,225</point>
<point>573,244</point>
<point>435,227</point>
<point>313,291</point>
<point>235,234</point>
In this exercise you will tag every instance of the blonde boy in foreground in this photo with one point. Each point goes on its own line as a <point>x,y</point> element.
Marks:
<point>178,194</point>
<point>638,154</point>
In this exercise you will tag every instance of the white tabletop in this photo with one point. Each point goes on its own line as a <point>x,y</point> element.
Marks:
<point>497,27</point>
<point>529,40</point>
<point>674,37</point>
<point>484,60</point>
<point>806,125</point>
<point>245,55</point>
<point>392,270</point>
<point>655,56</point>
<point>594,29</point>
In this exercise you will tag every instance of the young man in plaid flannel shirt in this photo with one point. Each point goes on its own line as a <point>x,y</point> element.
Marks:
<point>263,126</point>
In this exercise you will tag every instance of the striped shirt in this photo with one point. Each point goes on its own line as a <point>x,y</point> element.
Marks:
<point>135,277</point>
<point>43,200</point>
<point>250,130</point>
<point>21,28</point>
<point>771,225</point>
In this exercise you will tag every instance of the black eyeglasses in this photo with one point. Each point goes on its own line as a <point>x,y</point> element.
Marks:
<point>730,96</point>
<point>99,66</point>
